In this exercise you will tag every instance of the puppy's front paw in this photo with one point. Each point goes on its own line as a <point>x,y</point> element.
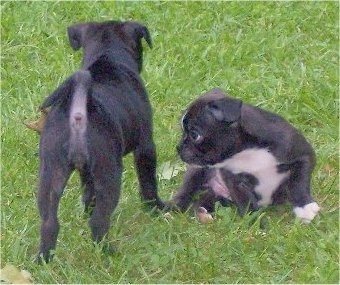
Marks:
<point>203,216</point>
<point>307,212</point>
<point>172,206</point>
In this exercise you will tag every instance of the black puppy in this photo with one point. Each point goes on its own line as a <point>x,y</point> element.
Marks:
<point>244,155</point>
<point>97,115</point>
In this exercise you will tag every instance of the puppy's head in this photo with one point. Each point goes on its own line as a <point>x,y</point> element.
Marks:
<point>211,129</point>
<point>98,37</point>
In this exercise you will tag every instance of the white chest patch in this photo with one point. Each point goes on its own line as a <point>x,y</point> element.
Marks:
<point>260,163</point>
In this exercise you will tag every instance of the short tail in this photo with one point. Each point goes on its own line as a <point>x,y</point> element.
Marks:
<point>78,150</point>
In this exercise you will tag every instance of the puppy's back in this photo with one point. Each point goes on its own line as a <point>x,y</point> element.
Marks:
<point>273,128</point>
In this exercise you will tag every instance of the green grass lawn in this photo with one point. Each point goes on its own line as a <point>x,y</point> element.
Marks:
<point>282,56</point>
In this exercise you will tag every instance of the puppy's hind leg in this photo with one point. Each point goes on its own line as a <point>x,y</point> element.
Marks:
<point>89,195</point>
<point>299,191</point>
<point>241,187</point>
<point>53,177</point>
<point>145,161</point>
<point>107,191</point>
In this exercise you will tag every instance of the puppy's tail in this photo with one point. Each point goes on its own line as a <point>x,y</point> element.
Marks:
<point>78,151</point>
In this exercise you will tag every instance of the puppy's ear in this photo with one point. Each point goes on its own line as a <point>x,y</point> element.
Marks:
<point>76,34</point>
<point>225,109</point>
<point>138,31</point>
<point>143,32</point>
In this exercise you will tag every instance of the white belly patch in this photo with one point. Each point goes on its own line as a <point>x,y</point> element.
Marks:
<point>260,163</point>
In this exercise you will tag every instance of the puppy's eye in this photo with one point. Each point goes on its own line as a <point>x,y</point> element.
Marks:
<point>195,136</point>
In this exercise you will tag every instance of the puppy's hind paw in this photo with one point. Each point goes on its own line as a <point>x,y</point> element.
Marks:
<point>203,216</point>
<point>45,257</point>
<point>167,216</point>
<point>307,212</point>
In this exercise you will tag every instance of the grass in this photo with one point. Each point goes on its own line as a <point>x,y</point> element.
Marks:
<point>282,56</point>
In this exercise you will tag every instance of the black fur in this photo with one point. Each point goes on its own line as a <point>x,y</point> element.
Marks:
<point>217,127</point>
<point>97,115</point>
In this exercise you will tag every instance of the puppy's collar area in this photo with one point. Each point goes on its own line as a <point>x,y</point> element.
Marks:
<point>113,56</point>
<point>248,154</point>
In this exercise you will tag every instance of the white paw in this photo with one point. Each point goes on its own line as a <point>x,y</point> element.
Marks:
<point>307,212</point>
<point>168,216</point>
<point>203,216</point>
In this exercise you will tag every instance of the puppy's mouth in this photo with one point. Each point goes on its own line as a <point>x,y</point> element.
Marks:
<point>194,157</point>
<point>193,160</point>
<point>189,158</point>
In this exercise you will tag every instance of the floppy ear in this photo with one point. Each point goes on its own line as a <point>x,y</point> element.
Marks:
<point>225,109</point>
<point>137,31</point>
<point>76,34</point>
<point>143,32</point>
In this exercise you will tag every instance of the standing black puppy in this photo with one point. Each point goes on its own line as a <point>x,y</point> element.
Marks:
<point>244,155</point>
<point>97,115</point>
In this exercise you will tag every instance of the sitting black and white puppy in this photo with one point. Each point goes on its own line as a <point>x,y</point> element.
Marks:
<point>96,116</point>
<point>243,155</point>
